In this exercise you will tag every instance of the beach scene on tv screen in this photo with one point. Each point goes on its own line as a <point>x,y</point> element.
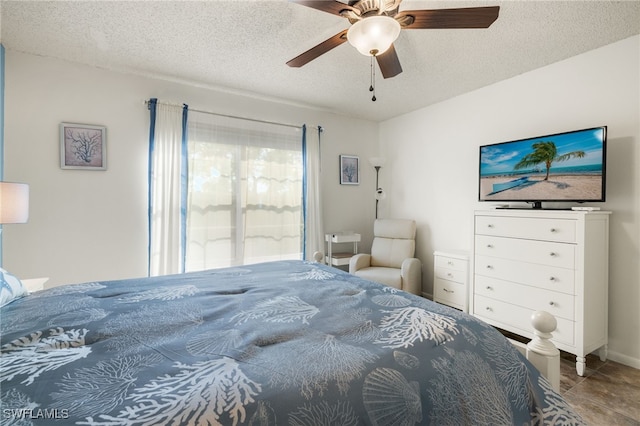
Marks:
<point>558,167</point>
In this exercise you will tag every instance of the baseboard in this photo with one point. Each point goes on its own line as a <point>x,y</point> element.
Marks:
<point>427,295</point>
<point>623,359</point>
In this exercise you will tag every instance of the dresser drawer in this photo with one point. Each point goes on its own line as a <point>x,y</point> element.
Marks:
<point>560,305</point>
<point>451,263</point>
<point>543,229</point>
<point>541,276</point>
<point>451,274</point>
<point>519,319</point>
<point>561,255</point>
<point>450,293</point>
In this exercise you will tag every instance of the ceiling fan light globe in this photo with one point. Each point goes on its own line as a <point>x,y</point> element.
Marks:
<point>373,35</point>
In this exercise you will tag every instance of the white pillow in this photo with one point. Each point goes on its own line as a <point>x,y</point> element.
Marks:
<point>11,288</point>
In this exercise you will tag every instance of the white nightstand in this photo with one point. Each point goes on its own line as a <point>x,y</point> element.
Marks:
<point>34,284</point>
<point>341,258</point>
<point>451,278</point>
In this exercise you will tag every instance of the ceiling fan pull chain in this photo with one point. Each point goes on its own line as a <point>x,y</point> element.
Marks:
<point>372,87</point>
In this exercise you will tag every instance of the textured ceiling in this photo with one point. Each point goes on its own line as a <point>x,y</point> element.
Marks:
<point>243,45</point>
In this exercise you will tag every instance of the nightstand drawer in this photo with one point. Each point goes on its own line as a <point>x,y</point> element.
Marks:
<point>542,229</point>
<point>451,275</point>
<point>450,263</point>
<point>450,293</point>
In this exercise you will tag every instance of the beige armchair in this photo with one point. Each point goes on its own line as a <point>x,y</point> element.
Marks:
<point>391,261</point>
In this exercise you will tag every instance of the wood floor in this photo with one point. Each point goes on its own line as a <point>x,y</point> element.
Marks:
<point>608,394</point>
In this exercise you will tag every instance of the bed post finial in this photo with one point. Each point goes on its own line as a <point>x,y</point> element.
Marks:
<point>542,353</point>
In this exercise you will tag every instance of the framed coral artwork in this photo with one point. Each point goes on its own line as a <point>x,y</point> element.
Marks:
<point>349,170</point>
<point>83,146</point>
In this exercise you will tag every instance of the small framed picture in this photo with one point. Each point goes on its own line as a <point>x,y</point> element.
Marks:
<point>83,146</point>
<point>349,170</point>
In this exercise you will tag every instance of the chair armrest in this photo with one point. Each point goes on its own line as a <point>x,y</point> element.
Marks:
<point>359,261</point>
<point>411,272</point>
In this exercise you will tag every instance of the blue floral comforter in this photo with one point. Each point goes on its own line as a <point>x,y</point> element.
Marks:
<point>282,343</point>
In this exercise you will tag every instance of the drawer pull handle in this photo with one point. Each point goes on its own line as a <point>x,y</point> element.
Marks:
<point>553,230</point>
<point>488,308</point>
<point>552,278</point>
<point>490,225</point>
<point>552,254</point>
<point>489,267</point>
<point>450,263</point>
<point>489,288</point>
<point>552,303</point>
<point>489,245</point>
<point>450,275</point>
<point>448,291</point>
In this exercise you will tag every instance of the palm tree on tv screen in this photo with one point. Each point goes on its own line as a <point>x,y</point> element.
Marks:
<point>545,152</point>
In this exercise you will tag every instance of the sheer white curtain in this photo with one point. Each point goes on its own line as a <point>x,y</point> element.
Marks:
<point>166,179</point>
<point>314,228</point>
<point>245,192</point>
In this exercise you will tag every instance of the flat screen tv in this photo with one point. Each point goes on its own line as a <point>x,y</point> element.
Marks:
<point>563,167</point>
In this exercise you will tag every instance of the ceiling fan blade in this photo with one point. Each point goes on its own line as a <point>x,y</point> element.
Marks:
<point>389,63</point>
<point>470,17</point>
<point>330,6</point>
<point>318,50</point>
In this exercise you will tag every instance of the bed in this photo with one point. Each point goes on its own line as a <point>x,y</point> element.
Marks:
<point>288,342</point>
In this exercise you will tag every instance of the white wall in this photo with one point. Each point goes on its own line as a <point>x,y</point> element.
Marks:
<point>433,154</point>
<point>92,225</point>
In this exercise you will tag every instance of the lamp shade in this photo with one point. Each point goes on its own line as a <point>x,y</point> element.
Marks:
<point>373,35</point>
<point>377,161</point>
<point>14,202</point>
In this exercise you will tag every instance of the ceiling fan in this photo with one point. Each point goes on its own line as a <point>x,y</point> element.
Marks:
<point>375,24</point>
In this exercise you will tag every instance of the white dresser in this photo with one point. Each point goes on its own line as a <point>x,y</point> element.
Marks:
<point>551,260</point>
<point>451,278</point>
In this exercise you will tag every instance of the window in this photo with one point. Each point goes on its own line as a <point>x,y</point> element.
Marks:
<point>245,185</point>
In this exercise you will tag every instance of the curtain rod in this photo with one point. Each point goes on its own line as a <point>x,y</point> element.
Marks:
<point>146,102</point>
